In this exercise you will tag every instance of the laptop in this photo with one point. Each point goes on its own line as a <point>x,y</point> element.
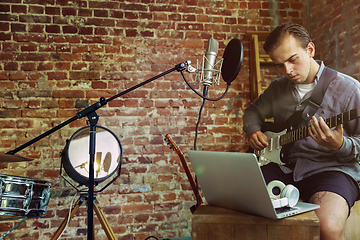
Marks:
<point>234,180</point>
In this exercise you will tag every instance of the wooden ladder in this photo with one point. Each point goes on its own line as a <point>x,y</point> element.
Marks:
<point>255,61</point>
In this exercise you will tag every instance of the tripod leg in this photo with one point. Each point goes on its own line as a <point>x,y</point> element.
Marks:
<point>66,220</point>
<point>104,223</point>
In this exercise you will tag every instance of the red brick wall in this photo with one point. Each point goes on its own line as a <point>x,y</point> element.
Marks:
<point>335,28</point>
<point>60,56</point>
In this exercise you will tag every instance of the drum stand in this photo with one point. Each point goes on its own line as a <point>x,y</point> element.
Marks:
<point>100,214</point>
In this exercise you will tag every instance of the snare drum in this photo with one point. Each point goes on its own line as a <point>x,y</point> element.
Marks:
<point>21,196</point>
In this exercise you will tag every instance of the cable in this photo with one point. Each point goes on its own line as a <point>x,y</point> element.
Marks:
<point>69,216</point>
<point>202,96</point>
<point>199,118</point>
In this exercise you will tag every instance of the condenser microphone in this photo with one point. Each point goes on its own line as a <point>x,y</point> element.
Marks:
<point>209,73</point>
<point>209,62</point>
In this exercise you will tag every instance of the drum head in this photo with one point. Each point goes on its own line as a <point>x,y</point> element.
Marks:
<point>108,155</point>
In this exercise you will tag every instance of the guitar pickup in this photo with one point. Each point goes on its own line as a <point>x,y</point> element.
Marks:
<point>271,144</point>
<point>278,143</point>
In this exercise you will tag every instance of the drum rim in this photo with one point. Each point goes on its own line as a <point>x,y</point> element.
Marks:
<point>85,180</point>
<point>25,178</point>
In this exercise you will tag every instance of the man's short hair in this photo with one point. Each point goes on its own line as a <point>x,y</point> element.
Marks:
<point>277,35</point>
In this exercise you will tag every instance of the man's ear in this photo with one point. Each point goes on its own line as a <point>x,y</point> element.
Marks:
<point>311,49</point>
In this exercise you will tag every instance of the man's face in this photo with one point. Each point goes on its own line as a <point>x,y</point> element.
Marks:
<point>294,61</point>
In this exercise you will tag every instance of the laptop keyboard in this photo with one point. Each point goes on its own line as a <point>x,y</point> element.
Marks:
<point>284,209</point>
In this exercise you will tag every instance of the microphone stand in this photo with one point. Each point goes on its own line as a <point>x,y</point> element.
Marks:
<point>93,119</point>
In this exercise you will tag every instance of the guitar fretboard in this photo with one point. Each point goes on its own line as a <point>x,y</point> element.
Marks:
<point>303,132</point>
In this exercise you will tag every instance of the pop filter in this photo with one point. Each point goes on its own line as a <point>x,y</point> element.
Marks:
<point>233,57</point>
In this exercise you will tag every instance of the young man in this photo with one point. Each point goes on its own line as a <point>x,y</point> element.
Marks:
<point>325,165</point>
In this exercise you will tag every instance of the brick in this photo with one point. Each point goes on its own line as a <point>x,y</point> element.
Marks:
<point>79,66</point>
<point>29,38</point>
<point>18,9</point>
<point>189,18</point>
<point>101,13</point>
<point>109,5</point>
<point>68,94</point>
<point>147,33</point>
<point>36,9</point>
<point>69,2</point>
<point>34,93</point>
<point>66,103</point>
<point>4,8</point>
<point>18,27</point>
<point>8,17</point>
<point>134,7</point>
<point>34,19</point>
<point>36,28</point>
<point>86,30</point>
<point>57,75</point>
<point>101,31</point>
<point>28,47</point>
<point>99,40</point>
<point>112,49</point>
<point>162,8</point>
<point>5,36</point>
<point>28,67</point>
<point>41,113</point>
<point>12,66</point>
<point>40,2</point>
<point>4,76</point>
<point>84,75</point>
<point>67,11</point>
<point>100,22</point>
<point>63,48</point>
<point>116,14</point>
<point>45,66</point>
<point>65,57</point>
<point>10,113</point>
<point>32,57</point>
<point>131,33</point>
<point>62,65</point>
<point>137,208</point>
<point>52,10</point>
<point>17,76</point>
<point>4,26</point>
<point>168,207</point>
<point>52,29</point>
<point>27,84</point>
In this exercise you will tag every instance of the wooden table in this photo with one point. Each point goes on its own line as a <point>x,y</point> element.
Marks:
<point>215,223</point>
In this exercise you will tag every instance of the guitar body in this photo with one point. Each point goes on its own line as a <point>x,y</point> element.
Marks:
<point>277,152</point>
<point>272,153</point>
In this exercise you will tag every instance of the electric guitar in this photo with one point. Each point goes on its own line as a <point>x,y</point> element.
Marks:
<point>174,147</point>
<point>274,153</point>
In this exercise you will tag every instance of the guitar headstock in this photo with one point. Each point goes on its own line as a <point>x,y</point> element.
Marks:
<point>171,143</point>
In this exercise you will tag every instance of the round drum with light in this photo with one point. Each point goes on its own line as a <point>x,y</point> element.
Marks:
<point>76,157</point>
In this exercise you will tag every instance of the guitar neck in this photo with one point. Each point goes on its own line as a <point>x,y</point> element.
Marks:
<point>303,132</point>
<point>185,166</point>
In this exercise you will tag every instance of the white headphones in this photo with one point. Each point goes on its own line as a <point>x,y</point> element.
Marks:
<point>288,196</point>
